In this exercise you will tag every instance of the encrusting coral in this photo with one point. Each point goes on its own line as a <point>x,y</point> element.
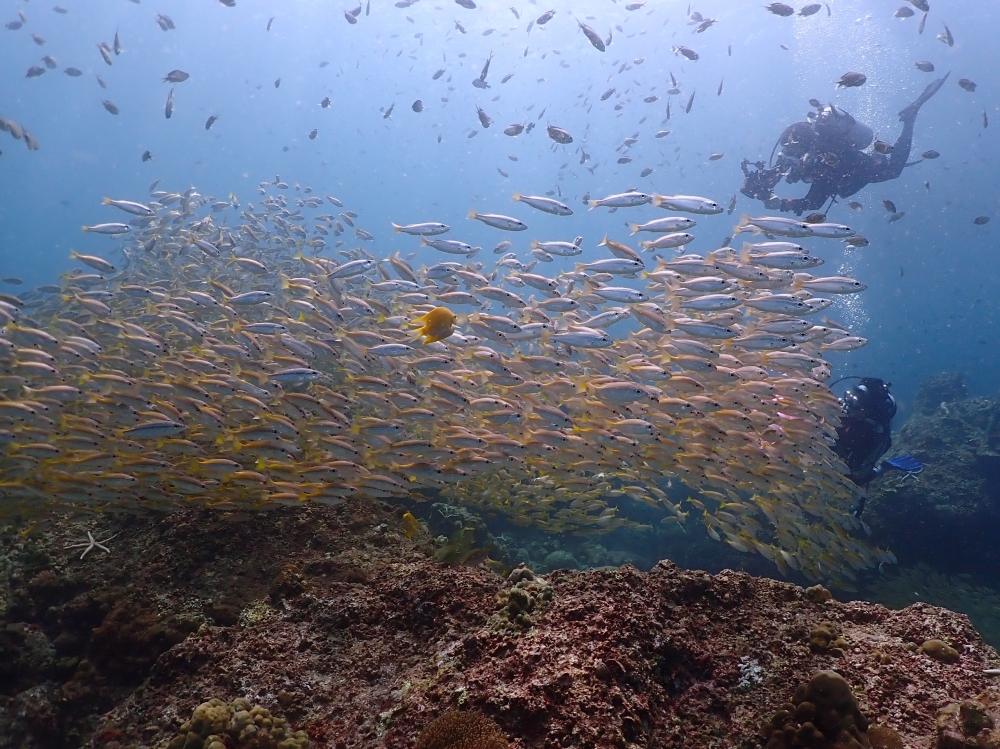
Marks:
<point>462,730</point>
<point>218,725</point>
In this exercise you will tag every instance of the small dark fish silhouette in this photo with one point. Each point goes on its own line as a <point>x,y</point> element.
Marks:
<point>559,135</point>
<point>815,218</point>
<point>110,106</point>
<point>277,83</point>
<point>851,80</point>
<point>980,220</point>
<point>176,76</point>
<point>418,106</point>
<point>313,133</point>
<point>889,205</point>
<point>780,9</point>
<point>967,84</point>
<point>932,154</point>
<point>903,12</point>
<point>147,156</point>
<point>880,146</point>
<point>211,121</point>
<point>810,9</point>
<point>924,66</point>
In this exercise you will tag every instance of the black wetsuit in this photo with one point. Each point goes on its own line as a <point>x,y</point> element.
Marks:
<point>865,432</point>
<point>828,162</point>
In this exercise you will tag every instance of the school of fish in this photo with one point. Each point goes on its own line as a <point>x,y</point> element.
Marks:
<point>228,364</point>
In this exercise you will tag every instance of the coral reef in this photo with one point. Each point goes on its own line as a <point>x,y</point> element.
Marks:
<point>335,619</point>
<point>945,516</point>
<point>460,730</point>
<point>236,725</point>
<point>823,714</point>
<point>899,587</point>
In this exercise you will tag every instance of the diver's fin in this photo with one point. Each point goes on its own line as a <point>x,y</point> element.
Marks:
<point>905,463</point>
<point>932,88</point>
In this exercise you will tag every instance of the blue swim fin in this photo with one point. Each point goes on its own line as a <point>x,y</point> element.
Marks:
<point>905,463</point>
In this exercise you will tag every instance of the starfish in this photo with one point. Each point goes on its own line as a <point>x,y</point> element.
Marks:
<point>91,543</point>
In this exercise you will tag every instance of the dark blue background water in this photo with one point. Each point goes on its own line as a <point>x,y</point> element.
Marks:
<point>932,277</point>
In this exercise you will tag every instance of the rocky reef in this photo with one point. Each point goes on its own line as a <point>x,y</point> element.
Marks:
<point>332,627</point>
<point>947,516</point>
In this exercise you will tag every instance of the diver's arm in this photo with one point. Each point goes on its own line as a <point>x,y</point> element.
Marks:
<point>812,201</point>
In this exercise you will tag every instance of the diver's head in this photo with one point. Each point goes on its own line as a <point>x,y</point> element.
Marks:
<point>834,122</point>
<point>870,399</point>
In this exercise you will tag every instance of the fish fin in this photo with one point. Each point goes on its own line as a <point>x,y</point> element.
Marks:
<point>517,197</point>
<point>593,205</point>
<point>396,227</point>
<point>106,201</point>
<point>634,228</point>
<point>473,214</point>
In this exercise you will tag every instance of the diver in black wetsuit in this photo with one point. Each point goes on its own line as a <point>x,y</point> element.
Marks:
<point>828,152</point>
<point>864,435</point>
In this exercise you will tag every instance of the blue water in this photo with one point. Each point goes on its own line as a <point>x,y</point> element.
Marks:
<point>932,276</point>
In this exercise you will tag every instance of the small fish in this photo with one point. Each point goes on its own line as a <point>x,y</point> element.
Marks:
<point>855,205</point>
<point>946,37</point>
<point>277,82</point>
<point>110,106</point>
<point>687,107</point>
<point>211,121</point>
<point>903,11</point>
<point>467,4</point>
<point>168,110</point>
<point>719,92</point>
<point>269,22</point>
<point>484,119</point>
<point>417,106</point>
<point>513,130</point>
<point>986,121</point>
<point>896,216</point>
<point>437,74</point>
<point>313,133</point>
<point>932,154</point>
<point>111,229</point>
<point>780,9</point>
<point>967,84</point>
<point>924,66</point>
<point>889,205</point>
<point>686,52</point>
<point>387,113</point>
<point>851,80</point>
<point>498,221</point>
<point>428,229</point>
<point>176,76</point>
<point>73,72</point>
<point>880,146</point>
<point>545,17</point>
<point>136,209</point>
<point>808,10</point>
<point>980,220</point>
<point>436,325</point>
<point>147,156</point>
<point>592,36</point>
<point>559,135</point>
<point>716,156</point>
<point>548,205</point>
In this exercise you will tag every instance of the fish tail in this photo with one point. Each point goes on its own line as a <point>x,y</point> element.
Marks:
<point>744,220</point>
<point>396,227</point>
<point>534,244</point>
<point>657,200</point>
<point>593,204</point>
<point>106,201</point>
<point>423,242</point>
<point>85,228</point>
<point>633,228</point>
<point>473,214</point>
<point>517,196</point>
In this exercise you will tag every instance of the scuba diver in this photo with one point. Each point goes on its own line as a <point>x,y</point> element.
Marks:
<point>865,433</point>
<point>828,152</point>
